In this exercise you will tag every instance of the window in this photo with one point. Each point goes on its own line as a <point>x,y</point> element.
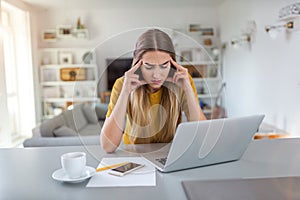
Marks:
<point>17,89</point>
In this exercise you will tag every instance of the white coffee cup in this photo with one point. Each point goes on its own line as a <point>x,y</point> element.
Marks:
<point>73,163</point>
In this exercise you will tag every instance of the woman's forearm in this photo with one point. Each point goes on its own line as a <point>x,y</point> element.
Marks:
<point>112,130</point>
<point>195,112</point>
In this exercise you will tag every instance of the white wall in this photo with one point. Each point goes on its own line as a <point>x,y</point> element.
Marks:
<point>106,24</point>
<point>265,79</point>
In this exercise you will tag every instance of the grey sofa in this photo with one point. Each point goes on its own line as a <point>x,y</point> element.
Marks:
<point>79,126</point>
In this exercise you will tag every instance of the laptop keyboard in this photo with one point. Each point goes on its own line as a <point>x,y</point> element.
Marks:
<point>161,160</point>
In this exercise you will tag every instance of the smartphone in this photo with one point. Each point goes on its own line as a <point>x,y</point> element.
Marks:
<point>138,71</point>
<point>125,169</point>
<point>172,70</point>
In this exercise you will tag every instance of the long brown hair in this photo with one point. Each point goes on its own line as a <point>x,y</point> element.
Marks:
<point>167,115</point>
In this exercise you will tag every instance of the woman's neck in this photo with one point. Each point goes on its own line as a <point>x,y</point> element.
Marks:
<point>153,90</point>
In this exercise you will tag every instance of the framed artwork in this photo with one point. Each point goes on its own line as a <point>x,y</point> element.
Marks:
<point>65,58</point>
<point>197,28</point>
<point>194,27</point>
<point>73,74</point>
<point>207,31</point>
<point>49,35</point>
<point>64,31</point>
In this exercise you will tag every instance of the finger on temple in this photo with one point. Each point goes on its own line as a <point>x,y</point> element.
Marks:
<point>176,65</point>
<point>136,66</point>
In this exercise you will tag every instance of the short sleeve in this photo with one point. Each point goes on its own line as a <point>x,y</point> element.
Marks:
<point>115,93</point>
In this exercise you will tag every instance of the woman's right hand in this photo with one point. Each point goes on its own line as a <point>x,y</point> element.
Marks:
<point>131,80</point>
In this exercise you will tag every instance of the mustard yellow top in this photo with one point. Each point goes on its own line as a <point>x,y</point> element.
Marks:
<point>154,98</point>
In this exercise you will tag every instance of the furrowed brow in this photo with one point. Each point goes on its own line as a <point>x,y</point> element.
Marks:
<point>165,63</point>
<point>152,65</point>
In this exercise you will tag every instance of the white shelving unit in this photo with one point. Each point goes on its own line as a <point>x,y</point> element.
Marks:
<point>199,52</point>
<point>63,33</point>
<point>67,76</point>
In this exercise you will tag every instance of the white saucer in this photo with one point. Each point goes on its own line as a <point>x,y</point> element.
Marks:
<point>60,175</point>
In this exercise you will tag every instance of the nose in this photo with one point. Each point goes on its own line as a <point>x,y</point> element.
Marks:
<point>156,73</point>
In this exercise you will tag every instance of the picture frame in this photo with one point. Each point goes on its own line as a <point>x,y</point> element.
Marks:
<point>186,56</point>
<point>73,74</point>
<point>64,31</point>
<point>199,29</point>
<point>194,28</point>
<point>65,58</point>
<point>49,35</point>
<point>207,31</point>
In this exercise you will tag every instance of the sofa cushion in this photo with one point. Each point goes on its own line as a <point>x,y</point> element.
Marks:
<point>62,141</point>
<point>90,129</point>
<point>90,114</point>
<point>101,110</point>
<point>75,118</point>
<point>47,127</point>
<point>64,131</point>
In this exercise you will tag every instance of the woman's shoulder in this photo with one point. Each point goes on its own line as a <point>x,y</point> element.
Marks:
<point>119,82</point>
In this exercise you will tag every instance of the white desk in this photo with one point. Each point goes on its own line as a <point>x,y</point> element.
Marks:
<point>26,173</point>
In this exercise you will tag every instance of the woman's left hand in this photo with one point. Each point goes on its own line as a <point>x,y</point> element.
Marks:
<point>181,76</point>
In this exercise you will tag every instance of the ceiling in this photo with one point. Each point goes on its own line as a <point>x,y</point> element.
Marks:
<point>97,4</point>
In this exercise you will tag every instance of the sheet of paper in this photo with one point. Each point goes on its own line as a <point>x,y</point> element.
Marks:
<point>144,176</point>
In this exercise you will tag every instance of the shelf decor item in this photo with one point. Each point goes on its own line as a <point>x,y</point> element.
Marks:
<point>80,33</point>
<point>73,74</point>
<point>186,56</point>
<point>64,31</point>
<point>87,58</point>
<point>194,27</point>
<point>197,71</point>
<point>207,42</point>
<point>207,31</point>
<point>197,28</point>
<point>289,11</point>
<point>49,35</point>
<point>65,58</point>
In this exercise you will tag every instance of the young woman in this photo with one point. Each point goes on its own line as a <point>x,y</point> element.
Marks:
<point>151,96</point>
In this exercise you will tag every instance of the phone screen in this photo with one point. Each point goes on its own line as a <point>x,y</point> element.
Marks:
<point>126,167</point>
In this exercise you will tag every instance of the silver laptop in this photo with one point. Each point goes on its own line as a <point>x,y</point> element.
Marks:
<point>207,142</point>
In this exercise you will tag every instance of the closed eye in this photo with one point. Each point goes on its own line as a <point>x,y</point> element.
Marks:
<point>148,66</point>
<point>151,66</point>
<point>164,66</point>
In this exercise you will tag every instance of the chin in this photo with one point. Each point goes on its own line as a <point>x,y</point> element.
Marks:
<point>155,86</point>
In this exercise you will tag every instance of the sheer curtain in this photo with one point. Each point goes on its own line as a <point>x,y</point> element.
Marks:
<point>18,74</point>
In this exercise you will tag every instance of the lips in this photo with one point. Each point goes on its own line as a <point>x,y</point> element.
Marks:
<point>156,82</point>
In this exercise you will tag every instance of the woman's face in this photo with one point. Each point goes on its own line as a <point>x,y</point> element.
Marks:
<point>155,68</point>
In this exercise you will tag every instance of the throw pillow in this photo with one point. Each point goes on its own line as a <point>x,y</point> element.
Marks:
<point>90,114</point>
<point>47,127</point>
<point>64,131</point>
<point>101,110</point>
<point>75,118</point>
